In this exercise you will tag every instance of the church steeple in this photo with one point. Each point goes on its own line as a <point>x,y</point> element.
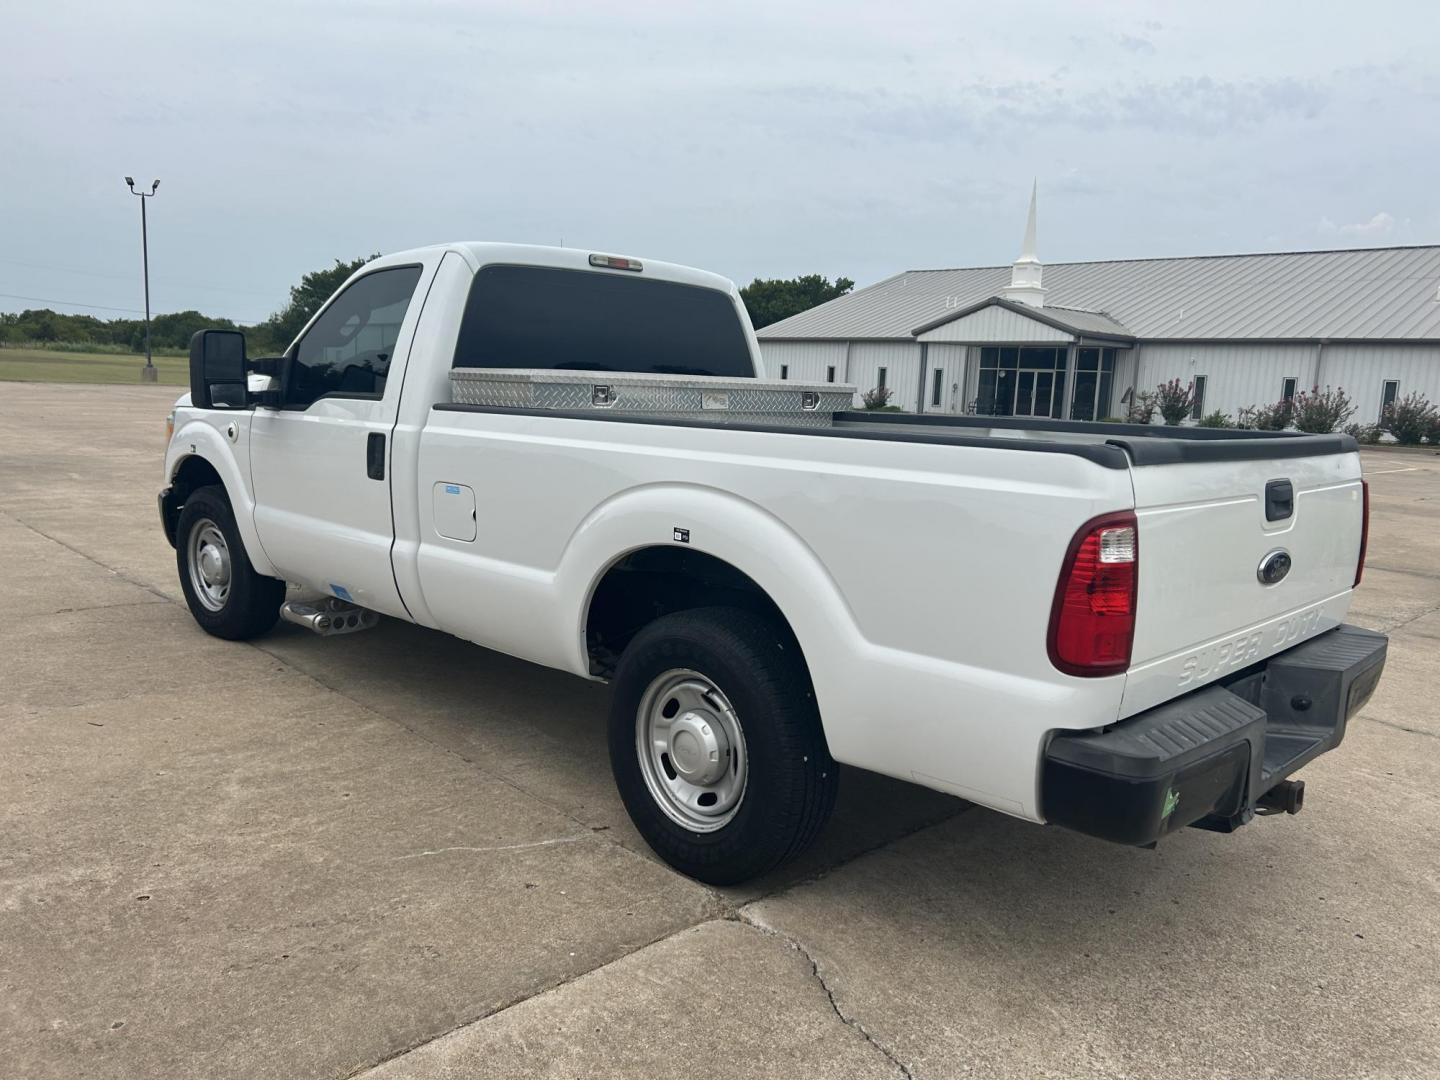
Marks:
<point>1027,270</point>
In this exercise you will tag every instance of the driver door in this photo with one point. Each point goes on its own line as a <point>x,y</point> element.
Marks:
<point>320,462</point>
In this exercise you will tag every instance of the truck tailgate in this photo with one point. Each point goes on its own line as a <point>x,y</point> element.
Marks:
<point>1203,609</point>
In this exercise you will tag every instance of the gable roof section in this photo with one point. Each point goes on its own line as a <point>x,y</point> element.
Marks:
<point>1071,321</point>
<point>1373,293</point>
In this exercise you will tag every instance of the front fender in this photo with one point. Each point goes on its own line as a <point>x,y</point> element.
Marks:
<point>205,436</point>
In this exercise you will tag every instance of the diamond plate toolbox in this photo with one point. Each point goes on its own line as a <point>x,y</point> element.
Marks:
<point>683,397</point>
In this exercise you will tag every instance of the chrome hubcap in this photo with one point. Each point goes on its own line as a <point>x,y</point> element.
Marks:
<point>209,561</point>
<point>691,750</point>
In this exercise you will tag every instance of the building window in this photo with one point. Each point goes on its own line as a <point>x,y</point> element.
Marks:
<point>1094,374</point>
<point>1287,389</point>
<point>784,371</point>
<point>1197,408</point>
<point>830,373</point>
<point>880,378</point>
<point>936,389</point>
<point>1389,393</point>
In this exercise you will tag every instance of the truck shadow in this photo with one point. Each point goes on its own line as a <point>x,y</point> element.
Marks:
<point>544,732</point>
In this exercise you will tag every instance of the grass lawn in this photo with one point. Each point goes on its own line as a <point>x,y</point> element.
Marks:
<point>43,365</point>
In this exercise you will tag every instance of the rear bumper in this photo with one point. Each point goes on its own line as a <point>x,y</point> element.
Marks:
<point>1206,758</point>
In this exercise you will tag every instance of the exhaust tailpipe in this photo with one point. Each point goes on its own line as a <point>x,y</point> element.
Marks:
<point>328,616</point>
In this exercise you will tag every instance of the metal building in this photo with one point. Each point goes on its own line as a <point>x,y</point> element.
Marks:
<point>1077,339</point>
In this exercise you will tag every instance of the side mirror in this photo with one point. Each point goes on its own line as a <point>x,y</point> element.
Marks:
<point>217,369</point>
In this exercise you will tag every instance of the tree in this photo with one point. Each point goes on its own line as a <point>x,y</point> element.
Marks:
<point>305,299</point>
<point>769,301</point>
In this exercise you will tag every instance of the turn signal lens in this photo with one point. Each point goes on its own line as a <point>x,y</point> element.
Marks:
<point>169,427</point>
<point>1092,622</point>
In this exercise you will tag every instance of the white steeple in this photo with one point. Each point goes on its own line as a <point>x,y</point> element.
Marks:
<point>1026,271</point>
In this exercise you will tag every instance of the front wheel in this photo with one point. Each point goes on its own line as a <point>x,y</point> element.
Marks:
<point>716,744</point>
<point>224,593</point>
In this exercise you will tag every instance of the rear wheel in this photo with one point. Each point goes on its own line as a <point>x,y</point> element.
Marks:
<point>224,593</point>
<point>716,744</point>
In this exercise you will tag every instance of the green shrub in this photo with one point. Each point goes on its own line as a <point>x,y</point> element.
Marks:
<point>1141,409</point>
<point>1216,419</point>
<point>877,398</point>
<point>1319,412</point>
<point>1368,434</point>
<point>1410,419</point>
<point>1174,401</point>
<point>1275,417</point>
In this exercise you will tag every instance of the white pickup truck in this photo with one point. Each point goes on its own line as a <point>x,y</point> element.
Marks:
<point>1118,629</point>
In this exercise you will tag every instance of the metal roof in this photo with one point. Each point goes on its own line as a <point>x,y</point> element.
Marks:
<point>1375,293</point>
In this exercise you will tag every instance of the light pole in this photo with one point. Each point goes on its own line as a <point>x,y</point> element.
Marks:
<point>147,373</point>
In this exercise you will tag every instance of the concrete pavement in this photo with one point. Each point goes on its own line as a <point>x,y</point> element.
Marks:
<point>400,853</point>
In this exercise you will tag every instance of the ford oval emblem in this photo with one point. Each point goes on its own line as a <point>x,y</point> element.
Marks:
<point>1273,567</point>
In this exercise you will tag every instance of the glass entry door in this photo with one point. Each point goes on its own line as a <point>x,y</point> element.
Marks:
<point>1017,381</point>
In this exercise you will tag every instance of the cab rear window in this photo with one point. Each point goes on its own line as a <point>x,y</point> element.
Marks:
<point>543,317</point>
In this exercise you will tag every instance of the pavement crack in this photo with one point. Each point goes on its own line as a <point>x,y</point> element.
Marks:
<point>519,999</point>
<point>89,558</point>
<point>819,976</point>
<point>1394,627</point>
<point>1398,727</point>
<point>498,847</point>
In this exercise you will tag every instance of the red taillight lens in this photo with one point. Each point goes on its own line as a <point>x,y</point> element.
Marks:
<point>1092,624</point>
<point>1364,531</point>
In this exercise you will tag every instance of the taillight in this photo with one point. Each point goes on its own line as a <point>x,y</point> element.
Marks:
<point>1364,531</point>
<point>1092,624</point>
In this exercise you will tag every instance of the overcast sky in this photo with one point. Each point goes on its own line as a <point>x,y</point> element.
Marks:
<point>764,139</point>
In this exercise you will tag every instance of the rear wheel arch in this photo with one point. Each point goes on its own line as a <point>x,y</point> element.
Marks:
<point>649,583</point>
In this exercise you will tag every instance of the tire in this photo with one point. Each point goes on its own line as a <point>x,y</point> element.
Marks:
<point>243,605</point>
<point>784,775</point>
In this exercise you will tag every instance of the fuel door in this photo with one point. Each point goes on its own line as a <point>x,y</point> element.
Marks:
<point>454,511</point>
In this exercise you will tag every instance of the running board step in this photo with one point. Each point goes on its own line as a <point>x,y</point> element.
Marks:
<point>329,616</point>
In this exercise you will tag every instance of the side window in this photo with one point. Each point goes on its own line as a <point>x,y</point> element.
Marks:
<point>347,352</point>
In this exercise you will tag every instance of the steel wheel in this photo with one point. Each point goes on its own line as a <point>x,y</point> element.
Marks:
<point>208,558</point>
<point>691,749</point>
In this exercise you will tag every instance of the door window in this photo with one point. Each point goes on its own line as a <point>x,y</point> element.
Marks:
<point>347,352</point>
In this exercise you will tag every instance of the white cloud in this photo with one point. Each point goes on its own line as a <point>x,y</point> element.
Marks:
<point>1382,224</point>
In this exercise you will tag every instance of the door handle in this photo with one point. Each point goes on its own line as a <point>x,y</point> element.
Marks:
<point>375,456</point>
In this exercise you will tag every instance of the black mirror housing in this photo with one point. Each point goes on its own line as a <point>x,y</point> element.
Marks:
<point>218,370</point>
